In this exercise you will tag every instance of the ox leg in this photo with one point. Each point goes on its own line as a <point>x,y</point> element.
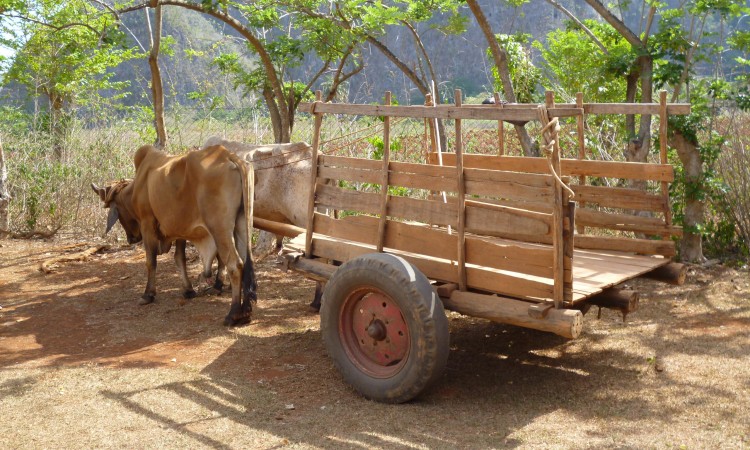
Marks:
<point>149,295</point>
<point>179,259</point>
<point>315,305</point>
<point>239,312</point>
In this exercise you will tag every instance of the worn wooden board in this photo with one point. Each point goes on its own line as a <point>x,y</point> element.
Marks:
<point>591,168</point>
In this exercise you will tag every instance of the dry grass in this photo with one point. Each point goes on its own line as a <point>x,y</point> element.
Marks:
<point>81,365</point>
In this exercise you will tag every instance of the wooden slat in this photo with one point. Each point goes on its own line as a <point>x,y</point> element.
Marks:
<point>499,220</point>
<point>434,112</point>
<point>514,111</point>
<point>349,162</point>
<point>580,133</point>
<point>512,185</point>
<point>347,199</point>
<point>349,174</point>
<point>503,282</point>
<point>591,168</point>
<point>437,243</point>
<point>626,222</point>
<point>615,197</point>
<point>643,246</point>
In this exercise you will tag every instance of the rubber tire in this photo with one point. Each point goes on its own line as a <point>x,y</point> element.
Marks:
<point>423,314</point>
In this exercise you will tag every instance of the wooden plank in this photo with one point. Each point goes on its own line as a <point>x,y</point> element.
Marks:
<point>644,246</point>
<point>501,219</point>
<point>503,282</point>
<point>500,127</point>
<point>433,112</point>
<point>461,189</point>
<point>349,174</point>
<point>663,120</point>
<point>635,108</point>
<point>626,222</point>
<point>587,167</point>
<point>349,162</point>
<point>347,199</point>
<point>437,243</point>
<point>313,173</point>
<point>512,185</point>
<point>617,197</point>
<point>384,175</point>
<point>518,111</point>
<point>357,231</point>
<point>580,132</point>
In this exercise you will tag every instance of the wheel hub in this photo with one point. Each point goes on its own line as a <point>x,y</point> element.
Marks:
<point>378,335</point>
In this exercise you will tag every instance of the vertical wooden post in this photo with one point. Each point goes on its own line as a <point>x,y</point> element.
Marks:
<point>663,122</point>
<point>313,174</point>
<point>461,199</point>
<point>384,182</point>
<point>581,147</point>
<point>558,269</point>
<point>500,129</point>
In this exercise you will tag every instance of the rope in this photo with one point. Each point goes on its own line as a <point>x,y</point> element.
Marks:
<point>550,130</point>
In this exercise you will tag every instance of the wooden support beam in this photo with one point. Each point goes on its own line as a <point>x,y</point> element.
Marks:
<point>563,322</point>
<point>313,172</point>
<point>281,229</point>
<point>580,128</point>
<point>384,175</point>
<point>558,240</point>
<point>672,273</point>
<point>461,190</point>
<point>663,122</point>
<point>310,268</point>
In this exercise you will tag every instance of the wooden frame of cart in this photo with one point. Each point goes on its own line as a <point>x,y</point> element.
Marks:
<point>497,237</point>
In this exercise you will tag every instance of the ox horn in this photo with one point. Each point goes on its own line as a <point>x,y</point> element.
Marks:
<point>102,192</point>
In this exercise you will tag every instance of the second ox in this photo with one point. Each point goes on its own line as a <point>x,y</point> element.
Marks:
<point>204,197</point>
<point>282,184</point>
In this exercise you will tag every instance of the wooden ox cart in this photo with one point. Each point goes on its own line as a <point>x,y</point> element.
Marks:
<point>491,236</point>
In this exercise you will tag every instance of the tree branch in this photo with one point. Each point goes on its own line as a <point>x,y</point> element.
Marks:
<point>580,25</point>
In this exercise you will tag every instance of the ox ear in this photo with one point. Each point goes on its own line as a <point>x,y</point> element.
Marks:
<point>114,214</point>
<point>101,191</point>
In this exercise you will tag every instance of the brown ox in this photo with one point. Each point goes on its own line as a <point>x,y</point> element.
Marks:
<point>282,185</point>
<point>204,197</point>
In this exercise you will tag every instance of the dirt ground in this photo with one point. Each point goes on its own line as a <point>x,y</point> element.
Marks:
<point>82,365</point>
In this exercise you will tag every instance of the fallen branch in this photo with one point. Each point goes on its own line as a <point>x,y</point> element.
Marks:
<point>29,234</point>
<point>49,265</point>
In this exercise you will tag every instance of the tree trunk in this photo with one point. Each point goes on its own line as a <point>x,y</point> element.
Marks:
<point>4,194</point>
<point>157,87</point>
<point>501,62</point>
<point>691,247</point>
<point>57,125</point>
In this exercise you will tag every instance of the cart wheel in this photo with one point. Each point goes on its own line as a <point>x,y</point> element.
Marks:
<point>384,327</point>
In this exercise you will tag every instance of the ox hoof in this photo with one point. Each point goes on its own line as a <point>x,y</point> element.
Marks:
<point>231,321</point>
<point>189,294</point>
<point>146,299</point>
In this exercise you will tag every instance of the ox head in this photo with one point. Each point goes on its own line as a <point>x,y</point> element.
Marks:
<point>117,198</point>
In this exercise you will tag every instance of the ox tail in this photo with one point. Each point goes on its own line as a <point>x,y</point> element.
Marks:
<point>249,283</point>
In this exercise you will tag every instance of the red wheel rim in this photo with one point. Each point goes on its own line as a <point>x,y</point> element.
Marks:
<point>374,332</point>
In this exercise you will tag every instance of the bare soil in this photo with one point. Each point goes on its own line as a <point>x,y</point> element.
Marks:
<point>83,365</point>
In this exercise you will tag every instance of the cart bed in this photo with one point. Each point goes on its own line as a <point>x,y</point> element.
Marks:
<point>593,270</point>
